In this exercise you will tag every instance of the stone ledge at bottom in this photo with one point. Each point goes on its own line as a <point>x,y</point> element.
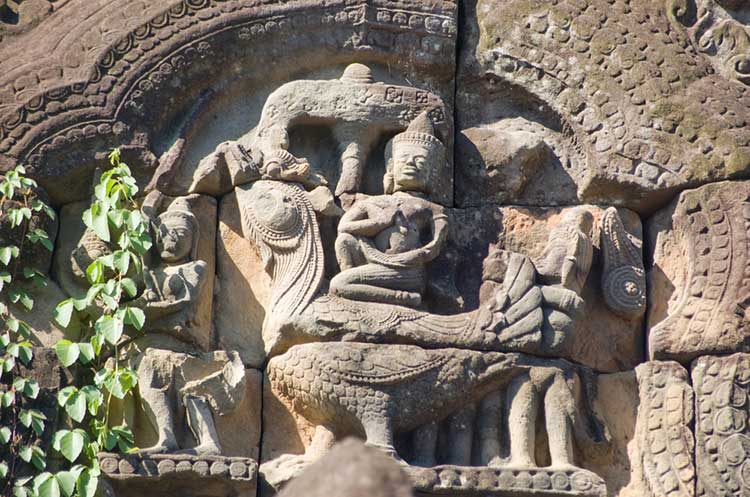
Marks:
<point>144,475</point>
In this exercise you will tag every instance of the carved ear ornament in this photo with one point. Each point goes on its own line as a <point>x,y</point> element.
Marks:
<point>623,276</point>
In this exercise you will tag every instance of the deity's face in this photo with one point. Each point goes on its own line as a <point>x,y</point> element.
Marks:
<point>175,240</point>
<point>411,167</point>
<point>89,249</point>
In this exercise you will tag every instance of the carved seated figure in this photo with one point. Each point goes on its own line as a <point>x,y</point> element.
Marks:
<point>384,242</point>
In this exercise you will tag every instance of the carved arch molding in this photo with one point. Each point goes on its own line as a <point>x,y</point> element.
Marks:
<point>578,328</point>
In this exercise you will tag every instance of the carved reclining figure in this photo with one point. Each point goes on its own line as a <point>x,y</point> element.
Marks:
<point>523,317</point>
<point>376,390</point>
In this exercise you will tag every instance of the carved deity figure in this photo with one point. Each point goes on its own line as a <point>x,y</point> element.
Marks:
<point>385,241</point>
<point>174,373</point>
<point>566,260</point>
<point>175,283</point>
<point>387,366</point>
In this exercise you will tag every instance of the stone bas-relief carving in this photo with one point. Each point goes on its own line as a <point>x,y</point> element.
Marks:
<point>662,455</point>
<point>721,434</point>
<point>614,94</point>
<point>698,280</point>
<point>175,374</point>
<point>305,225</point>
<point>187,396</point>
<point>719,30</point>
<point>378,389</point>
<point>611,284</point>
<point>177,474</point>
<point>379,248</point>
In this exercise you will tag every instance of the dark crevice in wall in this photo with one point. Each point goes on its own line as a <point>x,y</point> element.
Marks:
<point>9,12</point>
<point>456,61</point>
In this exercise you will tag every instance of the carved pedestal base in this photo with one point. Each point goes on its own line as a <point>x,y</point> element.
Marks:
<point>511,482</point>
<point>474,481</point>
<point>179,474</point>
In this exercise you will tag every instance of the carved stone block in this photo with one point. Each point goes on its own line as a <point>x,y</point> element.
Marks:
<point>181,474</point>
<point>722,439</point>
<point>620,124</point>
<point>700,277</point>
<point>334,256</point>
<point>243,289</point>
<point>536,232</point>
<point>662,454</point>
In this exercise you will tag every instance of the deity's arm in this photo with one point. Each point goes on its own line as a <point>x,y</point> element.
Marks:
<point>172,289</point>
<point>440,230</point>
<point>358,222</point>
<point>431,249</point>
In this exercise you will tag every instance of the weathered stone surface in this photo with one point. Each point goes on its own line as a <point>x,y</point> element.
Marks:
<point>334,256</point>
<point>93,104</point>
<point>721,433</point>
<point>243,288</point>
<point>719,30</point>
<point>698,280</point>
<point>157,474</point>
<point>664,444</point>
<point>616,405</point>
<point>350,469</point>
<point>456,285</point>
<point>624,123</point>
<point>543,235</point>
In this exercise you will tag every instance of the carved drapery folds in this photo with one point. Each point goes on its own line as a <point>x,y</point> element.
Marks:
<point>451,255</point>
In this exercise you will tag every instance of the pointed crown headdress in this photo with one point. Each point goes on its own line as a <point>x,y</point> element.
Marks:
<point>420,132</point>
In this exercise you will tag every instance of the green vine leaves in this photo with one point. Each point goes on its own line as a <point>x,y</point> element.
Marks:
<point>104,322</point>
<point>21,426</point>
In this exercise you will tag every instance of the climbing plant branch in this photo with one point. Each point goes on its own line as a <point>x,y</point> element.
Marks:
<point>21,426</point>
<point>102,320</point>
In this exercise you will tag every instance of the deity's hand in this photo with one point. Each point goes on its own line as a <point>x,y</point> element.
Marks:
<point>385,218</point>
<point>526,316</point>
<point>514,314</point>
<point>562,308</point>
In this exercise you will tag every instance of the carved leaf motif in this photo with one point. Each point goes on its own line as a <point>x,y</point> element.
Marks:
<point>722,433</point>
<point>663,434</point>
